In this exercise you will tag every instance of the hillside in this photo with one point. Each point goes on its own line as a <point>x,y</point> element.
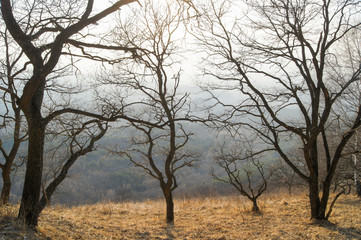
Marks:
<point>283,217</point>
<point>99,176</point>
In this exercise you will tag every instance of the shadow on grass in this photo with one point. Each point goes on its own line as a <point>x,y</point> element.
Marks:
<point>143,235</point>
<point>350,233</point>
<point>168,231</point>
<point>12,228</point>
<point>356,201</point>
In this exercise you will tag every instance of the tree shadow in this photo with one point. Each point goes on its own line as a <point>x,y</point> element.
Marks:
<point>351,201</point>
<point>168,231</point>
<point>350,233</point>
<point>13,228</point>
<point>143,235</point>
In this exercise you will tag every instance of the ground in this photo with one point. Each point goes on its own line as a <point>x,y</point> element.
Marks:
<point>283,217</point>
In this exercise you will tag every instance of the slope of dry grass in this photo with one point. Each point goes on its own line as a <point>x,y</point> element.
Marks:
<point>283,217</point>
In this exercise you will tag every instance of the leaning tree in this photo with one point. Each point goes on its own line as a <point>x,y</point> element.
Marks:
<point>68,138</point>
<point>276,55</point>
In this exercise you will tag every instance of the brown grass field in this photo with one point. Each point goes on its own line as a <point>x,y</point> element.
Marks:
<point>284,217</point>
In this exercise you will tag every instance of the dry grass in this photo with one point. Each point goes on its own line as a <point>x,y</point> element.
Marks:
<point>283,217</point>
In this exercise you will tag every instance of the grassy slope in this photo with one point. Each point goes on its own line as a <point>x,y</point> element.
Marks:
<point>283,217</point>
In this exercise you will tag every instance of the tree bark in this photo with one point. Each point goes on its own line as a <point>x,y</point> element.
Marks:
<point>355,174</point>
<point>255,207</point>
<point>29,210</point>
<point>324,200</point>
<point>5,192</point>
<point>314,198</point>
<point>318,206</point>
<point>358,188</point>
<point>169,206</point>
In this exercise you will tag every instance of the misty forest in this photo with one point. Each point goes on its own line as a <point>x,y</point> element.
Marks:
<point>128,101</point>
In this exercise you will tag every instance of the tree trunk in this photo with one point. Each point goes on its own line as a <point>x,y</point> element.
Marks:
<point>5,192</point>
<point>357,181</point>
<point>170,206</point>
<point>29,208</point>
<point>9,160</point>
<point>255,207</point>
<point>314,199</point>
<point>358,188</point>
<point>324,201</point>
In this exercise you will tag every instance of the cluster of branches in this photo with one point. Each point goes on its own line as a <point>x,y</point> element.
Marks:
<point>41,30</point>
<point>290,46</point>
<point>158,143</point>
<point>43,42</point>
<point>12,119</point>
<point>244,168</point>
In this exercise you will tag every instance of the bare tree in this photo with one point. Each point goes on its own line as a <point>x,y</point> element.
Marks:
<point>276,56</point>
<point>72,139</point>
<point>13,133</point>
<point>244,169</point>
<point>42,30</point>
<point>284,176</point>
<point>153,83</point>
<point>348,173</point>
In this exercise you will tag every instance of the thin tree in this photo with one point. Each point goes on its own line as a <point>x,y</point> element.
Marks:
<point>42,30</point>
<point>276,56</point>
<point>12,123</point>
<point>348,173</point>
<point>153,83</point>
<point>72,139</point>
<point>244,169</point>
